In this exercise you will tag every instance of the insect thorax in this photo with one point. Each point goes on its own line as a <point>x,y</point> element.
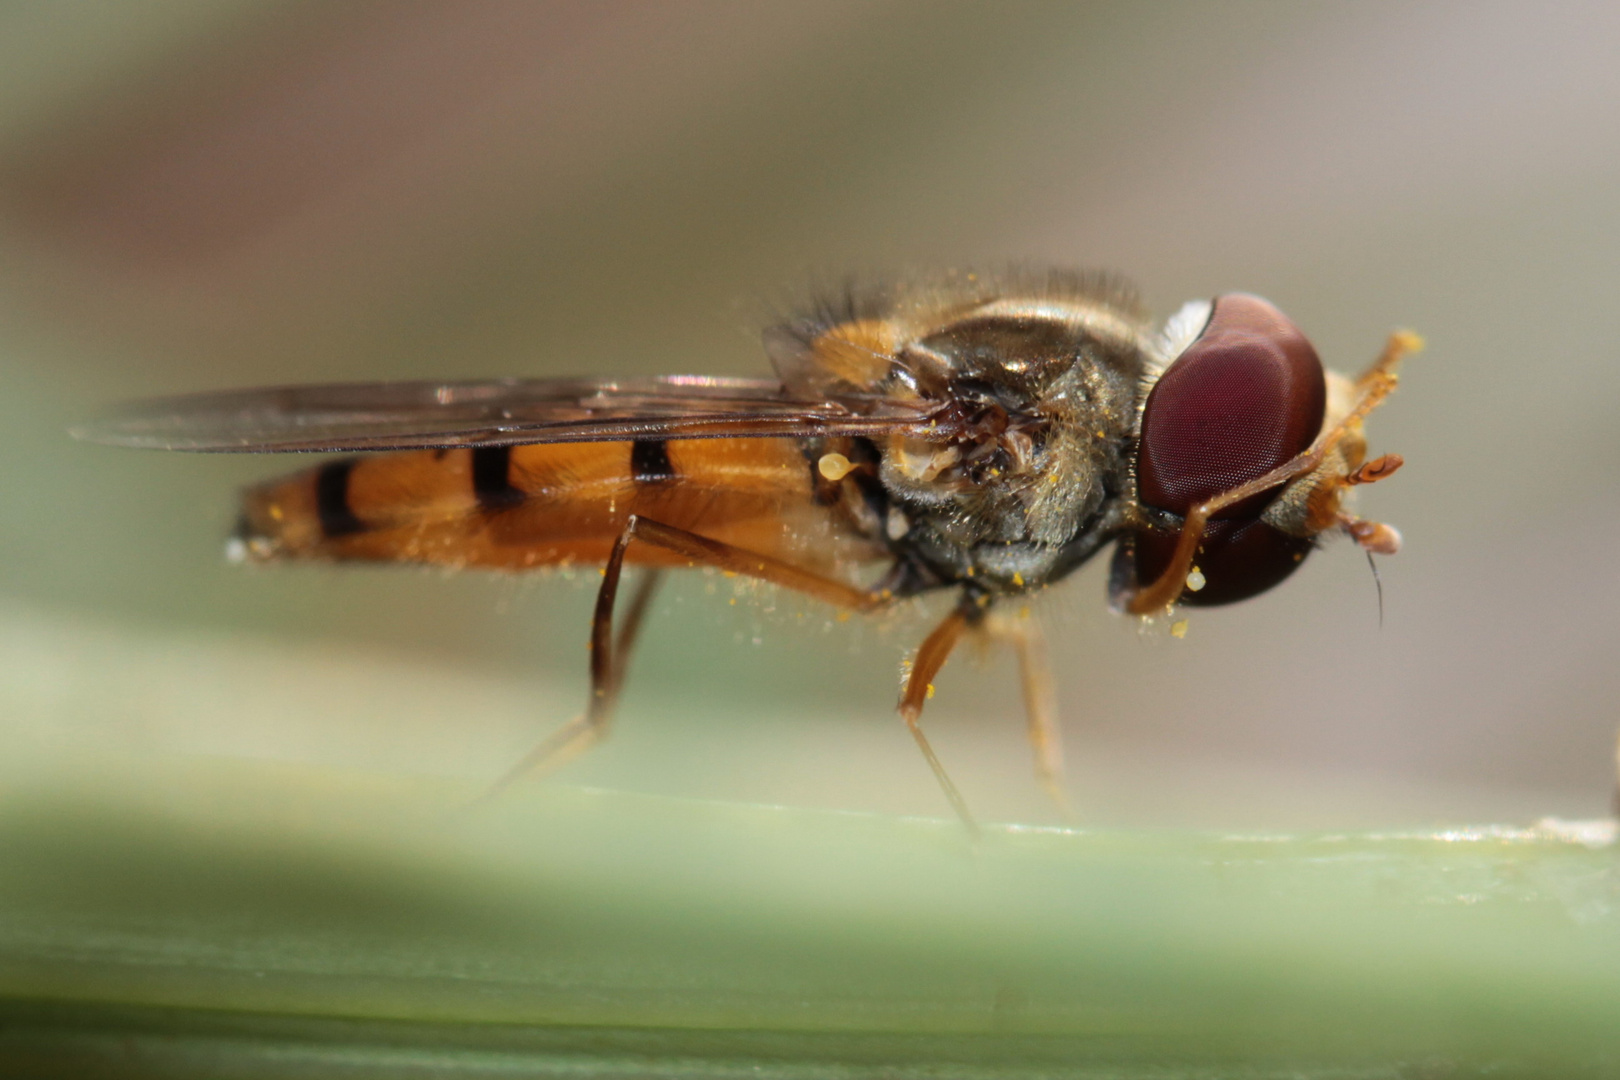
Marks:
<point>1031,483</point>
<point>1037,379</point>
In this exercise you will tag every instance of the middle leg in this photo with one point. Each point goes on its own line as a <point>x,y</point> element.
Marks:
<point>1040,703</point>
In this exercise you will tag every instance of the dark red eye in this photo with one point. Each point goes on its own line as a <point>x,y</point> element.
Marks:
<point>1243,398</point>
<point>1238,559</point>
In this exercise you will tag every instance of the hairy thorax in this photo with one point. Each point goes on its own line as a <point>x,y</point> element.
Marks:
<point>1041,397</point>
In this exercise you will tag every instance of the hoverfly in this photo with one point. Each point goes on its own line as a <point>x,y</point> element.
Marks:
<point>974,434</point>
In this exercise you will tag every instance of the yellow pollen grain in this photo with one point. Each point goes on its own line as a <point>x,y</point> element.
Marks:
<point>834,466</point>
<point>930,691</point>
<point>276,513</point>
<point>1018,579</point>
<point>1178,629</point>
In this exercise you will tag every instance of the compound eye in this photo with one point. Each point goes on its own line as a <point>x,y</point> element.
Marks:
<point>1238,559</point>
<point>1244,397</point>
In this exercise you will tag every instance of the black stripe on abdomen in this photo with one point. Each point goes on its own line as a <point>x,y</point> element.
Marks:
<point>332,499</point>
<point>649,462</point>
<point>491,478</point>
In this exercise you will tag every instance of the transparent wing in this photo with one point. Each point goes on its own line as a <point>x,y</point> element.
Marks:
<point>500,412</point>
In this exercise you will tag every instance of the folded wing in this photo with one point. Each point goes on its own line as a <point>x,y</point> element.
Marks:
<point>500,412</point>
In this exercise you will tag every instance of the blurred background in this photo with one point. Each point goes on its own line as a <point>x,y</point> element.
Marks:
<point>198,194</point>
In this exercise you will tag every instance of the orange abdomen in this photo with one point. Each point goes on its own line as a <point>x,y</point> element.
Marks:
<point>549,504</point>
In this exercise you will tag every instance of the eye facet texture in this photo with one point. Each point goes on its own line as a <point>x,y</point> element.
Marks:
<point>1246,396</point>
<point>1238,559</point>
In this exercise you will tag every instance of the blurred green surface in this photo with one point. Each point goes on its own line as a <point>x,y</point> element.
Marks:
<point>229,918</point>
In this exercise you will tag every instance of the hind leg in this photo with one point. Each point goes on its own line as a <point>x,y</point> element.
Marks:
<point>610,652</point>
<point>584,731</point>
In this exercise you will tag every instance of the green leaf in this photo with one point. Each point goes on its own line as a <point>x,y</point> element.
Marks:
<point>249,919</point>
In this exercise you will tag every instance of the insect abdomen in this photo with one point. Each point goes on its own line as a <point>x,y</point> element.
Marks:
<point>539,504</point>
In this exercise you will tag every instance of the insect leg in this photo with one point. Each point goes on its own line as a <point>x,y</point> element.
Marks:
<point>625,640</point>
<point>628,633</point>
<point>607,666</point>
<point>722,556</point>
<point>1040,704</point>
<point>931,656</point>
<point>610,652</point>
<point>1372,387</point>
<point>580,734</point>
